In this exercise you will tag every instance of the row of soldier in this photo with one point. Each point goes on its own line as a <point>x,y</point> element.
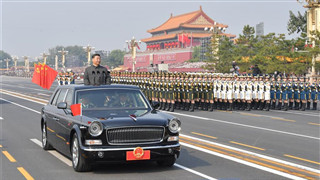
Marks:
<point>65,78</point>
<point>224,92</point>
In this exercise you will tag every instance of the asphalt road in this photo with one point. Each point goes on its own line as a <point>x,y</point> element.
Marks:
<point>215,145</point>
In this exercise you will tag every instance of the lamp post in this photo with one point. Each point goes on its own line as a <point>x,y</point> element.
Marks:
<point>313,24</point>
<point>88,49</point>
<point>133,44</point>
<point>63,53</point>
<point>26,63</point>
<point>7,63</point>
<point>44,56</point>
<point>56,63</point>
<point>215,30</point>
<point>15,59</point>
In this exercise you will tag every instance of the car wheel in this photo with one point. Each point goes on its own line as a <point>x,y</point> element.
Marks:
<point>167,162</point>
<point>45,144</point>
<point>79,163</point>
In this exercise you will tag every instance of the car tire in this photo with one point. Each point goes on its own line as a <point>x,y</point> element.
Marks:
<point>45,144</point>
<point>167,162</point>
<point>79,163</point>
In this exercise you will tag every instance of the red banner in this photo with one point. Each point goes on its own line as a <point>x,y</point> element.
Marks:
<point>44,75</point>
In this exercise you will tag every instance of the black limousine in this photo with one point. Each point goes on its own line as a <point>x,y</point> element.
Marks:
<point>117,123</point>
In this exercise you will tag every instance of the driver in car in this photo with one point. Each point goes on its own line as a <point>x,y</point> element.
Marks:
<point>85,102</point>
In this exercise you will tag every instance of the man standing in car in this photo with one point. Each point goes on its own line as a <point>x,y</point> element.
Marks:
<point>96,74</point>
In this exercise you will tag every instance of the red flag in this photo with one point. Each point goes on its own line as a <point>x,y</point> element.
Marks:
<point>76,109</point>
<point>43,75</point>
<point>49,76</point>
<point>36,74</point>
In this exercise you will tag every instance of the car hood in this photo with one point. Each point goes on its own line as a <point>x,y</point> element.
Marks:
<point>152,118</point>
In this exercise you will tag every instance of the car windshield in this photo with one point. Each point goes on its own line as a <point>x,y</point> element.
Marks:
<point>112,102</point>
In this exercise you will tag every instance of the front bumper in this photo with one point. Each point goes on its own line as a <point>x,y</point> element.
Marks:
<point>119,154</point>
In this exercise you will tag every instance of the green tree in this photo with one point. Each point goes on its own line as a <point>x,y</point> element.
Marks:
<point>3,56</point>
<point>297,23</point>
<point>195,54</point>
<point>76,55</point>
<point>115,58</point>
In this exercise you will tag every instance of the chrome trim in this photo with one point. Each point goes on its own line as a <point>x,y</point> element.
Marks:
<point>131,148</point>
<point>164,129</point>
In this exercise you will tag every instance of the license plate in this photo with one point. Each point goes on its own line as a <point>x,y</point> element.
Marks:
<point>138,154</point>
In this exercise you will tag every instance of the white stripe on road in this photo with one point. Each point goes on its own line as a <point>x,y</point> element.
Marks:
<point>1,118</point>
<point>194,172</point>
<point>253,153</point>
<point>54,153</point>
<point>243,162</point>
<point>244,125</point>
<point>20,105</point>
<point>43,94</point>
<point>25,98</point>
<point>27,87</point>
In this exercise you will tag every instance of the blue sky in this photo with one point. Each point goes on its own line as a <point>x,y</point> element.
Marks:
<point>32,27</point>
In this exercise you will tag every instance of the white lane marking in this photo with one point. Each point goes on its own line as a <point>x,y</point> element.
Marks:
<point>24,87</point>
<point>244,125</point>
<point>254,154</point>
<point>307,113</point>
<point>1,118</point>
<point>43,94</point>
<point>25,98</point>
<point>20,106</point>
<point>54,153</point>
<point>243,162</point>
<point>194,172</point>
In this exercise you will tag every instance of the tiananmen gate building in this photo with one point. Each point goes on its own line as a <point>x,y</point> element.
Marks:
<point>173,41</point>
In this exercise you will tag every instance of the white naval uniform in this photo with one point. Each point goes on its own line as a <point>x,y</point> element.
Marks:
<point>229,90</point>
<point>236,88</point>
<point>249,90</point>
<point>261,91</point>
<point>223,90</point>
<point>255,90</point>
<point>267,94</point>
<point>243,90</point>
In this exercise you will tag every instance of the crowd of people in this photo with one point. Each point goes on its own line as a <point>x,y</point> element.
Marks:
<point>208,91</point>
<point>65,78</point>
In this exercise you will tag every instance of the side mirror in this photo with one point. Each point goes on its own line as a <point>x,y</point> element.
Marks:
<point>155,104</point>
<point>62,105</point>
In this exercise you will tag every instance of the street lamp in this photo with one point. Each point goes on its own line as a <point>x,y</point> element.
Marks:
<point>63,53</point>
<point>44,56</point>
<point>313,23</point>
<point>15,59</point>
<point>88,49</point>
<point>26,63</point>
<point>133,44</point>
<point>7,62</point>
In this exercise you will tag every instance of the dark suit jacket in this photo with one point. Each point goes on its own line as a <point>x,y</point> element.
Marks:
<point>96,76</point>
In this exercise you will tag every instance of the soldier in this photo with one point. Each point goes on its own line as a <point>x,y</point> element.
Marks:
<point>236,90</point>
<point>261,93</point>
<point>273,91</point>
<point>290,92</point>
<point>215,92</point>
<point>296,93</point>
<point>308,93</point>
<point>229,92</point>
<point>313,94</point>
<point>278,94</point>
<point>242,93</point>
<point>190,91</point>
<point>210,97</point>
<point>178,91</point>
<point>267,93</point>
<point>255,86</point>
<point>248,88</point>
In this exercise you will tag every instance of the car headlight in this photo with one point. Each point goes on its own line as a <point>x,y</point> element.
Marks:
<point>95,128</point>
<point>174,125</point>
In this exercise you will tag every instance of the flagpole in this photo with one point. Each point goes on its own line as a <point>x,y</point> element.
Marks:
<point>191,39</point>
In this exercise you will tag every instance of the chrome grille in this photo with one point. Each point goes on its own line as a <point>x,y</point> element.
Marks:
<point>135,135</point>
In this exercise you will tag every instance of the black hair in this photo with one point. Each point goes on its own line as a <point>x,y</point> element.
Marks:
<point>94,55</point>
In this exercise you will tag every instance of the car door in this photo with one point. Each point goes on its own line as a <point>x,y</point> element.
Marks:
<point>65,122</point>
<point>49,113</point>
<point>57,116</point>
